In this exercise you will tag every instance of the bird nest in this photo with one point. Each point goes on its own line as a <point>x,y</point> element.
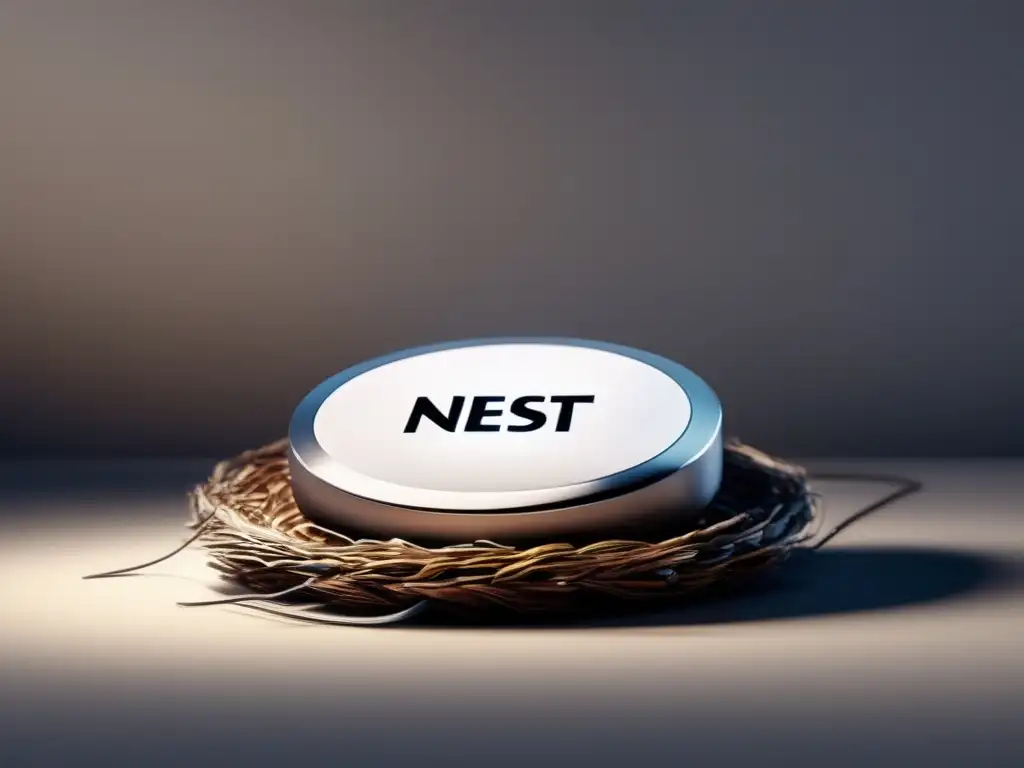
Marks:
<point>247,520</point>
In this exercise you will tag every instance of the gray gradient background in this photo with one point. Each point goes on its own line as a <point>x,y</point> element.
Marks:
<point>206,208</point>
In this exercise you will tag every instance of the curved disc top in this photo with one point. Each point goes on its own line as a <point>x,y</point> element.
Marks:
<point>504,424</point>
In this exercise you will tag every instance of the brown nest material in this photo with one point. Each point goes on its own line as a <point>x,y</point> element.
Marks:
<point>255,535</point>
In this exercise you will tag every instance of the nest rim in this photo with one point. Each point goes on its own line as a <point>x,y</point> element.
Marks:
<point>255,535</point>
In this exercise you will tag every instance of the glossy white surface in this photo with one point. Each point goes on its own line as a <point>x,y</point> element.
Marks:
<point>637,413</point>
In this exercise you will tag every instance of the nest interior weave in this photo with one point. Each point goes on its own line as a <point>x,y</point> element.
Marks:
<point>257,537</point>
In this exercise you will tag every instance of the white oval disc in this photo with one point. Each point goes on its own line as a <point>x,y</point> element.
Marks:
<point>637,412</point>
<point>500,425</point>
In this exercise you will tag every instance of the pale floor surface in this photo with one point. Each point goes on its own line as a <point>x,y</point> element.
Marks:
<point>899,644</point>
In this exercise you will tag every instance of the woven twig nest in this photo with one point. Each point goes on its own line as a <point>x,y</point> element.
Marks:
<point>256,536</point>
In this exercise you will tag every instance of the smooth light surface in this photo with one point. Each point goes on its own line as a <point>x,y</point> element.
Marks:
<point>638,412</point>
<point>898,645</point>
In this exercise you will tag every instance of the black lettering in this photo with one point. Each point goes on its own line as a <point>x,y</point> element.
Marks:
<point>479,411</point>
<point>423,407</point>
<point>565,414</point>
<point>535,419</point>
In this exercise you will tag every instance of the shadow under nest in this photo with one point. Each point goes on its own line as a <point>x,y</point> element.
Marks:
<point>246,519</point>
